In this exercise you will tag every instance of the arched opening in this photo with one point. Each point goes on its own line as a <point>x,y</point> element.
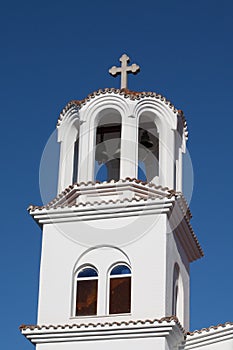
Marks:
<point>86,291</point>
<point>175,289</point>
<point>148,149</point>
<point>108,147</point>
<point>178,294</point>
<point>120,290</point>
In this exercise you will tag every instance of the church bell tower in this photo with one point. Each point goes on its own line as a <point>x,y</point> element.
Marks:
<point>117,240</point>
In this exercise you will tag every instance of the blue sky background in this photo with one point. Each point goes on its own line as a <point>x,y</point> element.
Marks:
<point>53,52</point>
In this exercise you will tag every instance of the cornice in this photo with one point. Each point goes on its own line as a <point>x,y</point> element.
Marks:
<point>165,327</point>
<point>209,336</point>
<point>124,198</point>
<point>127,94</point>
<point>73,194</point>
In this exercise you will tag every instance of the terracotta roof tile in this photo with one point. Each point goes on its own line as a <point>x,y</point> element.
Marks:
<point>220,325</point>
<point>110,324</point>
<point>132,95</point>
<point>63,194</point>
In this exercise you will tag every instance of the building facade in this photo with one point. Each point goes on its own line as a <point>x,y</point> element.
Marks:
<point>117,240</point>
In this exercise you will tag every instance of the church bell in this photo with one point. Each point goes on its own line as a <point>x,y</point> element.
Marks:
<point>145,140</point>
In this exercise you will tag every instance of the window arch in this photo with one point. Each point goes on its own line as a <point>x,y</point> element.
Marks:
<point>148,149</point>
<point>120,289</point>
<point>108,146</point>
<point>86,291</point>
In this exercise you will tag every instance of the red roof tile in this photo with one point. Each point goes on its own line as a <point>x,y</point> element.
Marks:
<point>132,95</point>
<point>220,325</point>
<point>110,324</point>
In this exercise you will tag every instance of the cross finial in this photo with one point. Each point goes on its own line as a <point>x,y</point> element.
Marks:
<point>124,69</point>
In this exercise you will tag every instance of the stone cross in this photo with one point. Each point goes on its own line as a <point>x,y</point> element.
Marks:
<point>124,70</point>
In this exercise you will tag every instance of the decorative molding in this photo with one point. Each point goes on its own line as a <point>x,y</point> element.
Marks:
<point>168,327</point>
<point>132,95</point>
<point>125,198</point>
<point>209,336</point>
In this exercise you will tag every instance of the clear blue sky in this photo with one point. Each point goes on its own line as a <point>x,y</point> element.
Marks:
<point>53,52</point>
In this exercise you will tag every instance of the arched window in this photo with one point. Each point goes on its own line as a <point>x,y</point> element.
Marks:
<point>86,292</point>
<point>148,149</point>
<point>108,147</point>
<point>120,290</point>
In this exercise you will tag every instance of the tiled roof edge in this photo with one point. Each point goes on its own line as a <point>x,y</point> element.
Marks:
<point>199,331</point>
<point>133,95</point>
<point>169,319</point>
<point>172,193</point>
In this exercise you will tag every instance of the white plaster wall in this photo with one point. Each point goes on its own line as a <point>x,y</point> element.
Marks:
<point>222,345</point>
<point>213,345</point>
<point>145,254</point>
<point>129,344</point>
<point>176,254</point>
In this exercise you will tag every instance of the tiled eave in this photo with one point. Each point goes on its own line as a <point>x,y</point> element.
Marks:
<point>79,194</point>
<point>132,95</point>
<point>165,327</point>
<point>209,336</point>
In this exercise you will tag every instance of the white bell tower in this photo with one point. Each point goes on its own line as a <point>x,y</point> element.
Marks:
<point>117,240</point>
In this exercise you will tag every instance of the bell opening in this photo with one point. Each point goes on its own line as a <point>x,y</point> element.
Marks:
<point>108,150</point>
<point>148,150</point>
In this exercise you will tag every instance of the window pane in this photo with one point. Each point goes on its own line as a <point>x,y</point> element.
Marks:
<point>87,272</point>
<point>120,295</point>
<point>86,303</point>
<point>120,270</point>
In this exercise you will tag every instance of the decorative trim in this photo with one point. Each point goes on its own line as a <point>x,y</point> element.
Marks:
<point>220,325</point>
<point>209,336</point>
<point>24,327</point>
<point>67,197</point>
<point>93,201</point>
<point>165,327</point>
<point>132,95</point>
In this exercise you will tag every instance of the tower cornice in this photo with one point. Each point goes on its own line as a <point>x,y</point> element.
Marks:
<point>128,94</point>
<point>119,199</point>
<point>168,327</point>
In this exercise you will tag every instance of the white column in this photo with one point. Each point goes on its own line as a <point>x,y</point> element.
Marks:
<point>66,157</point>
<point>86,152</point>
<point>179,171</point>
<point>129,148</point>
<point>166,158</point>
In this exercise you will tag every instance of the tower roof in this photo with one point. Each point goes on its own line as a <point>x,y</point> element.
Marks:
<point>129,94</point>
